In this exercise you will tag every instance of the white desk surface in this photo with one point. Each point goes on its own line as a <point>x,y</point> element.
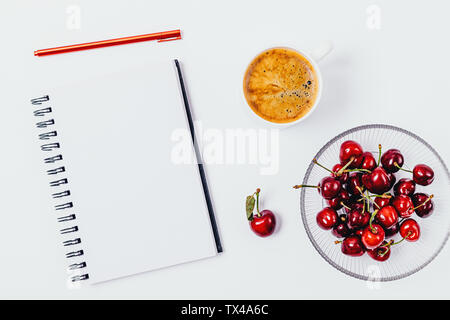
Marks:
<point>397,74</point>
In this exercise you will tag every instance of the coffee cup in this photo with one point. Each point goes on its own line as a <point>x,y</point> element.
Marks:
<point>296,96</point>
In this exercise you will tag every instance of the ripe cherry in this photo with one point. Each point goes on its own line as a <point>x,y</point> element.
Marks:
<point>368,161</point>
<point>263,222</point>
<point>392,179</point>
<point>410,230</point>
<point>327,218</point>
<point>373,235</point>
<point>328,187</point>
<point>423,174</point>
<point>392,231</point>
<point>377,181</point>
<point>351,151</point>
<point>357,219</point>
<point>355,182</point>
<point>405,186</point>
<point>343,198</point>
<point>335,203</point>
<point>381,253</point>
<point>343,178</point>
<point>404,205</point>
<point>340,230</point>
<point>263,225</point>
<point>383,200</point>
<point>423,204</point>
<point>359,232</point>
<point>354,205</point>
<point>387,217</point>
<point>390,158</point>
<point>352,246</point>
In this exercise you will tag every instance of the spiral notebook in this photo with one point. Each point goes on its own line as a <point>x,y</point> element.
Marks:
<point>124,201</point>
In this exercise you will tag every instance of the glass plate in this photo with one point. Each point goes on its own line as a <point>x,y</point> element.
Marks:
<point>408,257</point>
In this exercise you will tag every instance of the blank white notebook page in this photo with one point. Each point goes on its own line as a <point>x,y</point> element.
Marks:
<point>137,209</point>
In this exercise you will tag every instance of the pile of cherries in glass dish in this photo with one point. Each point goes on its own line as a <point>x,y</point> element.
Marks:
<point>374,206</point>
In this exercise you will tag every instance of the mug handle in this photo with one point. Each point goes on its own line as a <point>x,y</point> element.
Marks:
<point>322,51</point>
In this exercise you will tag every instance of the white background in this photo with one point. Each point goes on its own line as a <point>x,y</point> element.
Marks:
<point>396,75</point>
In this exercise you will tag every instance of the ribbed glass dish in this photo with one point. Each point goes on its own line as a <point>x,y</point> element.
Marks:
<point>407,257</point>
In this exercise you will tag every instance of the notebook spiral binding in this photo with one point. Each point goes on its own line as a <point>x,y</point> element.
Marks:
<point>64,207</point>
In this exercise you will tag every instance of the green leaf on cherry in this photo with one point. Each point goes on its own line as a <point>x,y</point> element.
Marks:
<point>249,206</point>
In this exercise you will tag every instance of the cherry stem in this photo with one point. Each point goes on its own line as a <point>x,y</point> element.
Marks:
<point>323,167</point>
<point>379,155</point>
<point>298,186</point>
<point>384,196</point>
<point>396,164</point>
<point>358,170</point>
<point>341,171</point>
<point>371,220</point>
<point>388,248</point>
<point>367,197</point>
<point>337,242</point>
<point>392,243</point>
<point>346,207</point>
<point>422,204</point>
<point>403,239</point>
<point>257,201</point>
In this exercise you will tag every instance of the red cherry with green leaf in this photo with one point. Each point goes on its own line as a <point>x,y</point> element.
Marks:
<point>263,222</point>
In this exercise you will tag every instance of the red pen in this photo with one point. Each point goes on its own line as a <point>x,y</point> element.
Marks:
<point>160,36</point>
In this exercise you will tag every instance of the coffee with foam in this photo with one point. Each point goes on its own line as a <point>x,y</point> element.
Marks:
<point>280,85</point>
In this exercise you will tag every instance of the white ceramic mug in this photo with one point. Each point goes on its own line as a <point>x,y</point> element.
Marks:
<point>313,58</point>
